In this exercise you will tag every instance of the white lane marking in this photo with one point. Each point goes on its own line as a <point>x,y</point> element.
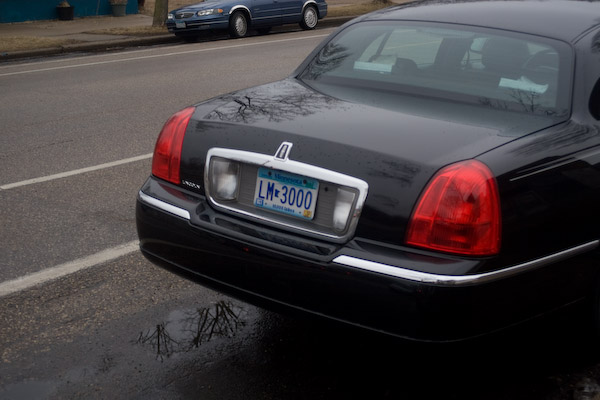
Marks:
<point>159,55</point>
<point>82,57</point>
<point>74,172</point>
<point>59,271</point>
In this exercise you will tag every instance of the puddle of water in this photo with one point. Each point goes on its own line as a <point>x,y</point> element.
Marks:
<point>185,330</point>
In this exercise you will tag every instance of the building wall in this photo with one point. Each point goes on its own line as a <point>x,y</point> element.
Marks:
<point>31,10</point>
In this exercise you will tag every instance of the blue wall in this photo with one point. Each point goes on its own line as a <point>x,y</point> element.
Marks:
<point>30,10</point>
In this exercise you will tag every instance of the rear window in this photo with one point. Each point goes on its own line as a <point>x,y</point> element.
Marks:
<point>489,68</point>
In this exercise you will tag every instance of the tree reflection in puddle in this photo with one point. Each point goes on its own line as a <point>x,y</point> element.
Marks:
<point>197,327</point>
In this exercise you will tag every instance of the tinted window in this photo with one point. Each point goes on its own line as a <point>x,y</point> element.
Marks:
<point>489,68</point>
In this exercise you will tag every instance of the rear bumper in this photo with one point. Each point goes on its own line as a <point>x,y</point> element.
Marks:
<point>388,289</point>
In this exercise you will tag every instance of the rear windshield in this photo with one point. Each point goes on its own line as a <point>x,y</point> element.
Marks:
<point>489,68</point>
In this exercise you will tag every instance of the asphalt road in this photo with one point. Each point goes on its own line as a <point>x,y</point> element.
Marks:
<point>84,315</point>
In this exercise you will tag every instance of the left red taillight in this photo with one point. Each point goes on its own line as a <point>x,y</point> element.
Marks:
<point>459,212</point>
<point>167,152</point>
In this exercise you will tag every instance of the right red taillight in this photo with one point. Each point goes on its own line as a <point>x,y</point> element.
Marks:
<point>167,152</point>
<point>459,212</point>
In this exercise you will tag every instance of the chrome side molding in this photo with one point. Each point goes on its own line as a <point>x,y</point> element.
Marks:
<point>171,209</point>
<point>462,280</point>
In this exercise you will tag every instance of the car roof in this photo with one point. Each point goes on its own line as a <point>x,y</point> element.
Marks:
<point>564,20</point>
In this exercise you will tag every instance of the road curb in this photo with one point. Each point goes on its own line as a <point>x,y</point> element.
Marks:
<point>107,45</point>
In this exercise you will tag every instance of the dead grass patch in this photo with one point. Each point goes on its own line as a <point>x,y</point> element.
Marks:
<point>356,9</point>
<point>133,31</point>
<point>21,43</point>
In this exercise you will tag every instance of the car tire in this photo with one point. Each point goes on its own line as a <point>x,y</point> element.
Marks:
<point>238,25</point>
<point>310,17</point>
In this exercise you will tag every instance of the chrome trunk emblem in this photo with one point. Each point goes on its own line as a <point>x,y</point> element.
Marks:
<point>283,152</point>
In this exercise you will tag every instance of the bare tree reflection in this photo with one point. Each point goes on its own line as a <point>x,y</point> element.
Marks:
<point>570,134</point>
<point>200,326</point>
<point>275,103</point>
<point>523,101</point>
<point>328,59</point>
<point>221,321</point>
<point>596,43</point>
<point>527,100</point>
<point>159,339</point>
<point>402,172</point>
<point>494,103</point>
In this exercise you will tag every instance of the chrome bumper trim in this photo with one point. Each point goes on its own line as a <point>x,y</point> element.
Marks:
<point>462,280</point>
<point>171,209</point>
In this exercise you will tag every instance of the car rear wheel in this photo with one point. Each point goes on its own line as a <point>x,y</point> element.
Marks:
<point>309,18</point>
<point>238,25</point>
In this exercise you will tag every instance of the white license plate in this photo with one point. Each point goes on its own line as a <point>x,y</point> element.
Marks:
<point>286,193</point>
<point>179,24</point>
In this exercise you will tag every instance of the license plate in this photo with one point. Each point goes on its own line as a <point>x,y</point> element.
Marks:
<point>179,24</point>
<point>286,193</point>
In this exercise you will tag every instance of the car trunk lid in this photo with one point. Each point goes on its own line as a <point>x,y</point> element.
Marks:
<point>396,151</point>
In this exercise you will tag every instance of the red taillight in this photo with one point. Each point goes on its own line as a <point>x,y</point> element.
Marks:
<point>167,152</point>
<point>459,212</point>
